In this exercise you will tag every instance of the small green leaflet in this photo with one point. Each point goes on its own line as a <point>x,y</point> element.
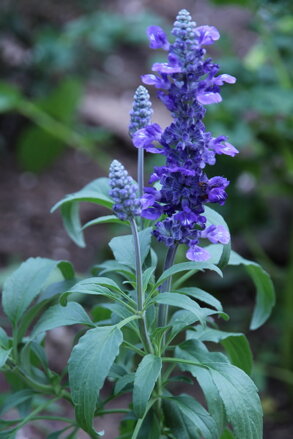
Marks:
<point>188,419</point>
<point>59,315</point>
<point>214,218</point>
<point>88,367</point>
<point>123,247</point>
<point>93,285</point>
<point>113,219</point>
<point>186,266</point>
<point>23,286</point>
<point>95,192</point>
<point>181,301</point>
<point>235,344</point>
<point>203,296</point>
<point>231,386</point>
<point>144,382</point>
<point>265,293</point>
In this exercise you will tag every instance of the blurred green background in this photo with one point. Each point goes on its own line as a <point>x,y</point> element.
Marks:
<point>68,73</point>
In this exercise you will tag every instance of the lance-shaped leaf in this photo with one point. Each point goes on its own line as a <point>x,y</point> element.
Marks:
<point>187,266</point>
<point>112,219</point>
<point>214,218</point>
<point>88,367</point>
<point>123,247</point>
<point>183,302</point>
<point>203,296</point>
<point>265,293</point>
<point>231,387</point>
<point>24,285</point>
<point>144,382</point>
<point>94,285</point>
<point>59,315</point>
<point>95,192</point>
<point>235,344</point>
<point>188,419</point>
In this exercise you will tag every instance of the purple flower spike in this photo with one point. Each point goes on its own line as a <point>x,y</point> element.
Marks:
<point>157,38</point>
<point>216,234</point>
<point>187,82</point>
<point>207,35</point>
<point>198,254</point>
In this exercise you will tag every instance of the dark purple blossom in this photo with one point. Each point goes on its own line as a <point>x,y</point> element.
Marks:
<point>216,234</point>
<point>187,82</point>
<point>158,38</point>
<point>145,137</point>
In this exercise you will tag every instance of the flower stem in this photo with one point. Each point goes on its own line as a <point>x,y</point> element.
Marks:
<point>140,171</point>
<point>139,288</point>
<point>163,309</point>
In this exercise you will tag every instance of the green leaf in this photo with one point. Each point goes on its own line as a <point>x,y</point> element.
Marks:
<point>186,266</point>
<point>104,219</point>
<point>59,315</point>
<point>235,344</point>
<point>71,222</point>
<point>265,293</point>
<point>203,296</point>
<point>24,285</point>
<point>112,266</point>
<point>188,419</point>
<point>123,247</point>
<point>227,434</point>
<point>88,367</point>
<point>214,218</point>
<point>4,354</point>
<point>123,382</point>
<point>9,97</point>
<point>15,399</point>
<point>94,285</point>
<point>181,301</point>
<point>145,379</point>
<point>231,386</point>
<point>95,192</point>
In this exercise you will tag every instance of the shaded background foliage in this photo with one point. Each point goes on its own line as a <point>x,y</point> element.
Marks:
<point>68,72</point>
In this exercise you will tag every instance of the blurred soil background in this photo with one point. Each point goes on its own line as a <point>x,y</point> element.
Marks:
<point>68,73</point>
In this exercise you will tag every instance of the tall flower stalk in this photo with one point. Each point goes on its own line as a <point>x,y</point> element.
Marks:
<point>186,83</point>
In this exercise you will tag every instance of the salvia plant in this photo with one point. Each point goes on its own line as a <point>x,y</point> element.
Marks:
<point>151,328</point>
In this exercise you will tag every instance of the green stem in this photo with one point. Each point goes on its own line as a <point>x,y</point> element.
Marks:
<point>112,411</point>
<point>181,360</point>
<point>33,413</point>
<point>133,348</point>
<point>140,171</point>
<point>54,127</point>
<point>166,286</point>
<point>139,288</point>
<point>140,421</point>
<point>183,278</point>
<point>39,418</point>
<point>287,339</point>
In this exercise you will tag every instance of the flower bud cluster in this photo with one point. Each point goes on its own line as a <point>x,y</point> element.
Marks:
<point>141,112</point>
<point>124,192</point>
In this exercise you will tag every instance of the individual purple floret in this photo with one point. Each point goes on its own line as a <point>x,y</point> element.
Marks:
<point>186,83</point>
<point>124,192</point>
<point>140,115</point>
